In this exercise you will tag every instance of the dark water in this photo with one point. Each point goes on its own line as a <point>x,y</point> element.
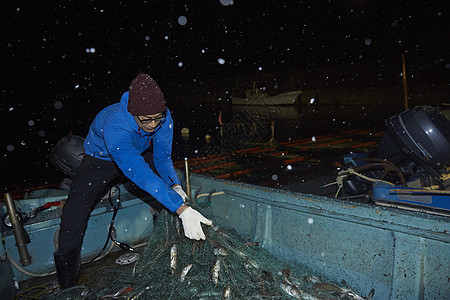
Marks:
<point>25,150</point>
<point>290,123</point>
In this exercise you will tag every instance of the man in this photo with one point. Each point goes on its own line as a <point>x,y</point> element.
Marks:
<point>118,136</point>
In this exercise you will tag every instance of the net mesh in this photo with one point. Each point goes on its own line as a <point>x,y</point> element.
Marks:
<point>225,266</point>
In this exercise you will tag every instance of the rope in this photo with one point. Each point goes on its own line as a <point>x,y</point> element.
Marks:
<point>36,295</point>
<point>368,178</point>
<point>342,174</point>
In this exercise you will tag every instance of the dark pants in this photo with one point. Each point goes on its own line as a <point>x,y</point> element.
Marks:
<point>92,176</point>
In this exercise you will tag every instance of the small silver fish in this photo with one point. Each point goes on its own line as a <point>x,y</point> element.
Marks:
<point>215,272</point>
<point>327,287</point>
<point>291,290</point>
<point>184,272</point>
<point>351,294</point>
<point>240,253</point>
<point>173,258</point>
<point>227,293</point>
<point>220,251</point>
<point>311,279</point>
<point>295,292</point>
<point>250,263</point>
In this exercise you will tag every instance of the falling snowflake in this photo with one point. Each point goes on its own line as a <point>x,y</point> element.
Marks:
<point>182,20</point>
<point>226,2</point>
<point>58,105</point>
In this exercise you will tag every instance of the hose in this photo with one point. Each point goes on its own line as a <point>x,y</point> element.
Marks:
<point>209,194</point>
<point>21,269</point>
<point>18,267</point>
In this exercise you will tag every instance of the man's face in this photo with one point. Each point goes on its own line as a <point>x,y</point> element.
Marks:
<point>149,123</point>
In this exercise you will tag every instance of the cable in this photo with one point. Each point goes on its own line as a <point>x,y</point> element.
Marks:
<point>120,245</point>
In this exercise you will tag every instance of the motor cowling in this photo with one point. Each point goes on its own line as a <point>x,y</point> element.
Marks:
<point>420,135</point>
<point>67,154</point>
<point>416,144</point>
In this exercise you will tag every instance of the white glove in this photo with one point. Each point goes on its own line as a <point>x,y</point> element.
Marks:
<point>192,220</point>
<point>180,192</point>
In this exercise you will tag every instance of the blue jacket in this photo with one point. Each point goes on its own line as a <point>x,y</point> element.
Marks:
<point>114,135</point>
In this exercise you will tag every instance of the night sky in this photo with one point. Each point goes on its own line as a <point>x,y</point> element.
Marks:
<point>62,61</point>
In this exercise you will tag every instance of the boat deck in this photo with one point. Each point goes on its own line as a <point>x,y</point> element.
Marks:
<point>42,287</point>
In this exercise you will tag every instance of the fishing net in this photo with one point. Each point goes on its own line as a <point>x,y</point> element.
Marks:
<point>225,266</point>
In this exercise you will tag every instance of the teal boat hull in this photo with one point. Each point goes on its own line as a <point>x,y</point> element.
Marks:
<point>400,254</point>
<point>133,224</point>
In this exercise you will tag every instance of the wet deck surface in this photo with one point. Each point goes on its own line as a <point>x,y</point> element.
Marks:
<point>40,287</point>
<point>302,165</point>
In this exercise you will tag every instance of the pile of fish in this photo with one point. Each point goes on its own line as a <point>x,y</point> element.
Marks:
<point>225,266</point>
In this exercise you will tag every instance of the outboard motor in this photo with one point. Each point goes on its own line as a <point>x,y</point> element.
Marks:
<point>67,154</point>
<point>414,153</point>
<point>418,142</point>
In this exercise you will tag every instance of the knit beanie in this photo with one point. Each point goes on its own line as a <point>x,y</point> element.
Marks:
<point>145,97</point>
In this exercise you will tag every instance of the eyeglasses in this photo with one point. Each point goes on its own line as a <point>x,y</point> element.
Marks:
<point>147,121</point>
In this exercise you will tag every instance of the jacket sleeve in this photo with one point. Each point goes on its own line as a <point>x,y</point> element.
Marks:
<point>162,154</point>
<point>119,144</point>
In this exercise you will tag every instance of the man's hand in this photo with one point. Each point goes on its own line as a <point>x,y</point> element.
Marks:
<point>192,220</point>
<point>177,188</point>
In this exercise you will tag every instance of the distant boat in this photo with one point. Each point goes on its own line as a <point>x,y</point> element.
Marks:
<point>256,96</point>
